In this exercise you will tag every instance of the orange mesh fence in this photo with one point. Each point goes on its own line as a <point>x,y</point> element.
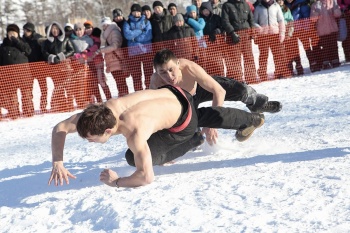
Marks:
<point>32,88</point>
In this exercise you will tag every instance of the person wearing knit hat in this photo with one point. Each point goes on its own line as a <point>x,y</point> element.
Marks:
<point>88,27</point>
<point>157,3</point>
<point>79,26</point>
<point>191,8</point>
<point>161,21</point>
<point>177,18</point>
<point>88,24</point>
<point>147,11</point>
<point>29,27</point>
<point>136,7</point>
<point>117,12</point>
<point>172,8</point>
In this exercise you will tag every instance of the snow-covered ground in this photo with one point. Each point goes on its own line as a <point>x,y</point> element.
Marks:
<point>292,175</point>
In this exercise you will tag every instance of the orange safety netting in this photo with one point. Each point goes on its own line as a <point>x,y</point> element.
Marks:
<point>31,88</point>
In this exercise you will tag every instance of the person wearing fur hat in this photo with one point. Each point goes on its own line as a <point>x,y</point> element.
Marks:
<point>138,32</point>
<point>14,50</point>
<point>56,49</point>
<point>161,21</point>
<point>35,41</point>
<point>113,54</point>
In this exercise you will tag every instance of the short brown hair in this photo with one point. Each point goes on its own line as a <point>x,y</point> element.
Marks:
<point>163,56</point>
<point>95,119</point>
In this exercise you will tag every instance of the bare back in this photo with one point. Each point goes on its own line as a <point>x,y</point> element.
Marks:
<point>147,111</point>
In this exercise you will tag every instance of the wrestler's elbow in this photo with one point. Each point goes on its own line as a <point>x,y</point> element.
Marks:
<point>147,179</point>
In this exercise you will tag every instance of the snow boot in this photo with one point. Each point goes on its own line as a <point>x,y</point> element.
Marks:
<point>257,121</point>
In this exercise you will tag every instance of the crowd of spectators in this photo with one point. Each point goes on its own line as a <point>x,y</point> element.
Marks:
<point>214,34</point>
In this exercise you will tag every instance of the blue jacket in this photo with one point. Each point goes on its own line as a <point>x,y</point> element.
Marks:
<point>198,26</point>
<point>300,10</point>
<point>138,32</point>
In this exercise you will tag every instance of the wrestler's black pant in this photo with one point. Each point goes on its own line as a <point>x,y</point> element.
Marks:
<point>166,146</point>
<point>235,91</point>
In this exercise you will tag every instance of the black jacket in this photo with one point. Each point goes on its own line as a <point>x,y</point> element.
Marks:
<point>14,52</point>
<point>35,44</point>
<point>120,25</point>
<point>212,21</point>
<point>236,16</point>
<point>56,45</point>
<point>182,40</point>
<point>160,25</point>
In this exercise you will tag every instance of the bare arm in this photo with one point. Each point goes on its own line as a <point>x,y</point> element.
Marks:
<point>208,83</point>
<point>144,173</point>
<point>59,132</point>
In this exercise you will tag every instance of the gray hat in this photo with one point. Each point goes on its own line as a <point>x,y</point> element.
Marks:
<point>79,26</point>
<point>178,17</point>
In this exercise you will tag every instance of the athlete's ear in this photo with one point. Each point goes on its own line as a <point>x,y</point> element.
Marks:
<point>178,62</point>
<point>108,131</point>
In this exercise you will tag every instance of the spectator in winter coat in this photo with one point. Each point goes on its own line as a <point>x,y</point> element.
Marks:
<point>35,41</point>
<point>291,45</point>
<point>96,67</point>
<point>119,19</point>
<point>172,8</point>
<point>113,53</point>
<point>182,38</point>
<point>325,13</point>
<point>14,50</point>
<point>81,43</point>
<point>198,24</point>
<point>345,8</point>
<point>304,29</point>
<point>268,15</point>
<point>212,30</point>
<point>138,32</point>
<point>56,49</point>
<point>239,26</point>
<point>161,21</point>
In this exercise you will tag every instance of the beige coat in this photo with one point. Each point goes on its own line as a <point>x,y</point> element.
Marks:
<point>113,54</point>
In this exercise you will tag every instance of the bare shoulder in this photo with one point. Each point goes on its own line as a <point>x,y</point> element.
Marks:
<point>190,68</point>
<point>156,81</point>
<point>69,124</point>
